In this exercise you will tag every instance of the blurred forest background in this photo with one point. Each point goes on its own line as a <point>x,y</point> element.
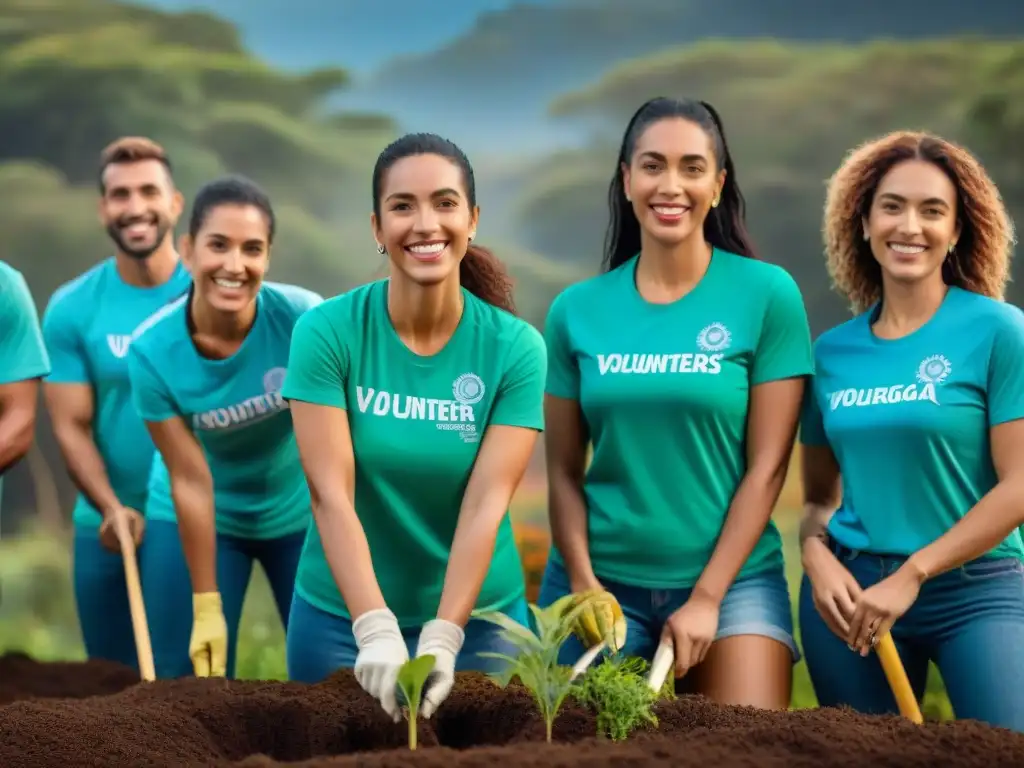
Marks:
<point>302,98</point>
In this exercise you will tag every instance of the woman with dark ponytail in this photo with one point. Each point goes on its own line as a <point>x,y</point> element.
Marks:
<point>684,364</point>
<point>225,488</point>
<point>417,403</point>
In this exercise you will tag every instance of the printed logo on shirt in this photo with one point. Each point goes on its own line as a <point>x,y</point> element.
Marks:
<point>250,411</point>
<point>273,380</point>
<point>456,415</point>
<point>119,344</point>
<point>714,339</point>
<point>931,373</point>
<point>468,389</point>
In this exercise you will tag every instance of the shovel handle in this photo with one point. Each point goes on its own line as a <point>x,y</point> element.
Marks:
<point>898,680</point>
<point>140,626</point>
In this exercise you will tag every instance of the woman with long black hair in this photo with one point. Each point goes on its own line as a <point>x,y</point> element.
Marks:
<point>684,365</point>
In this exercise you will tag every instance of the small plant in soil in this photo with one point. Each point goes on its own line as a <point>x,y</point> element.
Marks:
<point>413,677</point>
<point>617,691</point>
<point>536,661</point>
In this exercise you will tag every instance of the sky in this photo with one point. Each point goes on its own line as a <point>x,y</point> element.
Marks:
<point>300,34</point>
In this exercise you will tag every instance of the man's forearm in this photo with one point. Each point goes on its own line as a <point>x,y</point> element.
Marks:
<point>86,468</point>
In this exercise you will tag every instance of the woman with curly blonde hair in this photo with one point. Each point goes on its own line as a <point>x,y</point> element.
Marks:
<point>917,413</point>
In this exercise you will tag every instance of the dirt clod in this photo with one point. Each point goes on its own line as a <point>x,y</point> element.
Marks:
<point>50,721</point>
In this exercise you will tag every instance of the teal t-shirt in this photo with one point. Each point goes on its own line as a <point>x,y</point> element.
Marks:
<point>22,351</point>
<point>88,326</point>
<point>664,391</point>
<point>235,409</point>
<point>417,423</point>
<point>908,420</point>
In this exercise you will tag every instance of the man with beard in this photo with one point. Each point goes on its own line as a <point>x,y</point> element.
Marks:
<point>88,326</point>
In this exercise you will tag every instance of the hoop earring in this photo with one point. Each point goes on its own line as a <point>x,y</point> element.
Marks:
<point>380,249</point>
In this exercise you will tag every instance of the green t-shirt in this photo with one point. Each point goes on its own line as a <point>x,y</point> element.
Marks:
<point>664,390</point>
<point>417,423</point>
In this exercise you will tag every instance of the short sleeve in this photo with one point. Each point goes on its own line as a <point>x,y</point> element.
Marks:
<point>1006,370</point>
<point>812,426</point>
<point>563,376</point>
<point>317,362</point>
<point>150,395</point>
<point>520,398</point>
<point>784,348</point>
<point>61,333</point>
<point>23,354</point>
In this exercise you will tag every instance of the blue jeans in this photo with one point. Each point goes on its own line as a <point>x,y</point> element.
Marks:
<point>320,643</point>
<point>754,605</point>
<point>168,589</point>
<point>101,599</point>
<point>969,621</point>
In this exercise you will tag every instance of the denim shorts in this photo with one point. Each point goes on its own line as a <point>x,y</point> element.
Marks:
<point>320,643</point>
<point>754,605</point>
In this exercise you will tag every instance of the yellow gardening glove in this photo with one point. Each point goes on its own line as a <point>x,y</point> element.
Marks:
<point>600,620</point>
<point>208,647</point>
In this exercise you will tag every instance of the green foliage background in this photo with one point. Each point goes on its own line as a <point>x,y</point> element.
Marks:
<point>74,75</point>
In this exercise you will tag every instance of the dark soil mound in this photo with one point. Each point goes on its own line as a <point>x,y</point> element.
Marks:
<point>233,723</point>
<point>21,677</point>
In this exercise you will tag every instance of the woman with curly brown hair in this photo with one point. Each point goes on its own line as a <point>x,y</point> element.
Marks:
<point>417,402</point>
<point>917,414</point>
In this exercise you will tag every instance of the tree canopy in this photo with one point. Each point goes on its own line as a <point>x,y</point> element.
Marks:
<point>791,113</point>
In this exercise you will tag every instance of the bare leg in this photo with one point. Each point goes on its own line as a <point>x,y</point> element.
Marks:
<point>744,670</point>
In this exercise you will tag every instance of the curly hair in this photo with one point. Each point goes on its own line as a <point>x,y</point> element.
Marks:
<point>981,260</point>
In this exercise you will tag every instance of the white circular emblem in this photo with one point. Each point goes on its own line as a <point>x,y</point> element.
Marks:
<point>714,338</point>
<point>468,389</point>
<point>934,370</point>
<point>273,379</point>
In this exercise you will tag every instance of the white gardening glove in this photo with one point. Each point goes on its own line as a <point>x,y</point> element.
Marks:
<point>443,640</point>
<point>382,650</point>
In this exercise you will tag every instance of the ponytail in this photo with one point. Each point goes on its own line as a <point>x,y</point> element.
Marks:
<point>481,272</point>
<point>485,276</point>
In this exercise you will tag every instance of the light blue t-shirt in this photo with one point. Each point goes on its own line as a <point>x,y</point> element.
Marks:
<point>235,409</point>
<point>88,326</point>
<point>908,420</point>
<point>22,352</point>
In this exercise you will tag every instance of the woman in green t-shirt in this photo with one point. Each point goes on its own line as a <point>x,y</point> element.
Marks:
<point>684,365</point>
<point>417,402</point>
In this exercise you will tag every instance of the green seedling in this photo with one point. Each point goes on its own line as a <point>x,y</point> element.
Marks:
<point>413,678</point>
<point>536,661</point>
<point>617,691</point>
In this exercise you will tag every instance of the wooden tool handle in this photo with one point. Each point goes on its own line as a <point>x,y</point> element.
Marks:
<point>898,680</point>
<point>140,626</point>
